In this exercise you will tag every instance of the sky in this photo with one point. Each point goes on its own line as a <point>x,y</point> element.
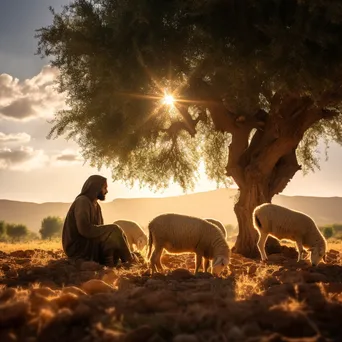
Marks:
<point>35,169</point>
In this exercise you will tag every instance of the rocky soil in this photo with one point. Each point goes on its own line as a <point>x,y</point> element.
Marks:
<point>43,297</point>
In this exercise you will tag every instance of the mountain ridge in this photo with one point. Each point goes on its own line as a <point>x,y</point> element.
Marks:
<point>218,204</point>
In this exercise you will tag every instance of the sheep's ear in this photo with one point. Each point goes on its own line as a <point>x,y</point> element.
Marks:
<point>221,261</point>
<point>218,261</point>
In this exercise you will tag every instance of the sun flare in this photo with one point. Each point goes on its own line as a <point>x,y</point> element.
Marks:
<point>168,100</point>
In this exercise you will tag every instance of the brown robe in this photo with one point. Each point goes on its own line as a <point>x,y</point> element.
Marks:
<point>84,234</point>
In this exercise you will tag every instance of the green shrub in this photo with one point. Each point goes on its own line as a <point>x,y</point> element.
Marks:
<point>16,231</point>
<point>51,227</point>
<point>337,228</point>
<point>328,232</point>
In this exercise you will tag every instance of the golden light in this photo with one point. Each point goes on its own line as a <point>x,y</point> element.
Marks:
<point>168,100</point>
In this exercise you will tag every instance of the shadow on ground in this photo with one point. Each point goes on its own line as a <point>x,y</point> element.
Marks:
<point>46,298</point>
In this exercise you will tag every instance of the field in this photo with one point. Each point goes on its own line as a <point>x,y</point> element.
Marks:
<point>44,297</point>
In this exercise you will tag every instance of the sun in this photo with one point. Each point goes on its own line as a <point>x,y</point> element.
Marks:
<point>168,100</point>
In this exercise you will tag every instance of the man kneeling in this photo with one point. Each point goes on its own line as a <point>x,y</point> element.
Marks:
<point>84,234</point>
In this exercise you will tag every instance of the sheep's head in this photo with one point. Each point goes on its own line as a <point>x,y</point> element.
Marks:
<point>141,242</point>
<point>317,254</point>
<point>219,263</point>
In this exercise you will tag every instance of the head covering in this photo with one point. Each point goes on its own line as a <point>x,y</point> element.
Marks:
<point>92,186</point>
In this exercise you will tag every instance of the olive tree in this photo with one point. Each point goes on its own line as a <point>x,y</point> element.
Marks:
<point>16,231</point>
<point>51,227</point>
<point>257,85</point>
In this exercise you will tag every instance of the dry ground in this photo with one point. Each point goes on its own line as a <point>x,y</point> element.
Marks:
<point>45,298</point>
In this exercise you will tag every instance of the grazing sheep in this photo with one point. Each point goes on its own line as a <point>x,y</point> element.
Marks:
<point>134,233</point>
<point>180,233</point>
<point>284,223</point>
<point>218,224</point>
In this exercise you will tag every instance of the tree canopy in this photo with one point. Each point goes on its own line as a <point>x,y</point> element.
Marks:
<point>257,84</point>
<point>51,227</point>
<point>16,231</point>
<point>2,228</point>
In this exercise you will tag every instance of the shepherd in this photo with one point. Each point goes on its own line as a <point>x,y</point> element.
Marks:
<point>84,234</point>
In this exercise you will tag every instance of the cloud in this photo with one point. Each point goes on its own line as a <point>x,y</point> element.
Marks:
<point>19,109</point>
<point>25,158</point>
<point>67,157</point>
<point>22,159</point>
<point>14,138</point>
<point>31,98</point>
<point>8,87</point>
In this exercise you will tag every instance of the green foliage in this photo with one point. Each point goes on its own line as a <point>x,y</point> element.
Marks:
<point>328,232</point>
<point>231,229</point>
<point>116,58</point>
<point>214,152</point>
<point>332,230</point>
<point>2,228</point>
<point>32,236</point>
<point>16,231</point>
<point>337,228</point>
<point>3,231</point>
<point>325,131</point>
<point>51,227</point>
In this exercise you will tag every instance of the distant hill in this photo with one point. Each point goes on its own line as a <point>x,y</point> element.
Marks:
<point>218,204</point>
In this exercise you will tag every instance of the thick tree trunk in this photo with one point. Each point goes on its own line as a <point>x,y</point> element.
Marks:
<point>263,163</point>
<point>251,195</point>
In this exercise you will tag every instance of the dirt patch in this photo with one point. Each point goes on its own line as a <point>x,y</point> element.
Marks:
<point>46,298</point>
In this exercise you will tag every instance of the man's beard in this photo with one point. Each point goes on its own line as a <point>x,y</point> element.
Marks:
<point>101,196</point>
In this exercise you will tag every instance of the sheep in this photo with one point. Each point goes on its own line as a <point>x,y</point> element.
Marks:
<point>285,223</point>
<point>181,233</point>
<point>134,233</point>
<point>218,224</point>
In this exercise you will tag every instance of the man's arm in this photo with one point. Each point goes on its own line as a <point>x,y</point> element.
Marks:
<point>83,222</point>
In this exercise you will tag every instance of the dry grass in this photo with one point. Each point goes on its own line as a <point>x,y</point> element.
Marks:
<point>40,258</point>
<point>57,244</point>
<point>251,281</point>
<point>335,244</point>
<point>291,305</point>
<point>53,300</point>
<point>35,244</point>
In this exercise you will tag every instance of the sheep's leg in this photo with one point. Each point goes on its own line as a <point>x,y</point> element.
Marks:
<point>300,250</point>
<point>155,259</point>
<point>198,262</point>
<point>261,245</point>
<point>152,263</point>
<point>159,264</point>
<point>205,265</point>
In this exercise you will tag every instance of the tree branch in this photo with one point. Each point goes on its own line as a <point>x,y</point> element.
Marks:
<point>188,120</point>
<point>178,126</point>
<point>201,93</point>
<point>236,148</point>
<point>224,120</point>
<point>284,170</point>
<point>291,117</point>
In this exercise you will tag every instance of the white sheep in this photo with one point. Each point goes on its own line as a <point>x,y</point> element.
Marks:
<point>181,233</point>
<point>284,223</point>
<point>218,224</point>
<point>134,233</point>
